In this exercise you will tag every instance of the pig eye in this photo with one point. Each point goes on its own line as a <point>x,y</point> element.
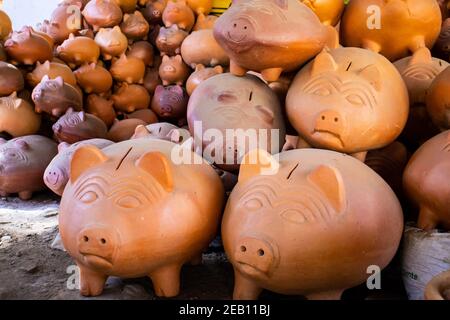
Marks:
<point>294,216</point>
<point>226,97</point>
<point>253,204</point>
<point>322,92</point>
<point>129,202</point>
<point>355,99</point>
<point>89,197</point>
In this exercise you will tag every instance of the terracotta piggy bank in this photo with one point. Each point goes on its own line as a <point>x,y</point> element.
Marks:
<point>439,287</point>
<point>53,70</point>
<point>169,40</point>
<point>199,75</point>
<point>27,47</point>
<point>291,219</point>
<point>271,36</point>
<point>438,100</point>
<point>22,164</point>
<point>11,79</point>
<point>138,177</point>
<point>102,14</point>
<point>163,131</point>
<point>76,51</point>
<point>173,70</point>
<point>63,21</point>
<point>57,173</point>
<point>153,11</point>
<point>200,47</point>
<point>129,98</point>
<point>101,108</point>
<point>426,182</point>
<point>393,28</point>
<point>349,100</point>
<point>144,51</point>
<point>328,11</point>
<point>124,130</point>
<point>146,115</point>
<point>134,26</point>
<point>244,105</point>
<point>127,6</point>
<point>178,12</point>
<point>5,25</point>
<point>170,102</point>
<point>55,97</point>
<point>128,69</point>
<point>442,46</point>
<point>205,22</point>
<point>112,42</point>
<point>17,116</point>
<point>93,78</point>
<point>200,6</point>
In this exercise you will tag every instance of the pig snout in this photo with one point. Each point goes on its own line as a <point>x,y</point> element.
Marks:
<point>330,122</point>
<point>254,254</point>
<point>57,128</point>
<point>240,30</point>
<point>97,242</point>
<point>169,69</point>
<point>166,110</point>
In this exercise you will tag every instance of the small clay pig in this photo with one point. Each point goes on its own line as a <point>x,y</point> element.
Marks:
<point>57,173</point>
<point>53,70</point>
<point>169,40</point>
<point>17,116</point>
<point>200,47</point>
<point>144,51</point>
<point>205,22</point>
<point>153,11</point>
<point>78,126</point>
<point>22,164</point>
<point>170,102</point>
<point>178,12</point>
<point>11,79</point>
<point>393,28</point>
<point>438,100</point>
<point>76,51</point>
<point>101,108</point>
<point>145,115</point>
<point>129,98</point>
<point>328,11</point>
<point>112,42</point>
<point>135,27</point>
<point>93,78</point>
<point>27,47</point>
<point>442,46</point>
<point>102,14</point>
<point>55,97</point>
<point>152,80</point>
<point>62,22</point>
<point>271,36</point>
<point>127,6</point>
<point>140,206</point>
<point>163,131</point>
<point>128,69</point>
<point>308,222</point>
<point>199,75</point>
<point>5,25</point>
<point>173,71</point>
<point>200,6</point>
<point>438,289</point>
<point>124,130</point>
<point>426,182</point>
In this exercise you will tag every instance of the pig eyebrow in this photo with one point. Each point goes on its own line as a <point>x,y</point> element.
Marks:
<point>292,171</point>
<point>123,159</point>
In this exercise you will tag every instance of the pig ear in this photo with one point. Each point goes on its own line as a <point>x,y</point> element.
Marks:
<point>83,159</point>
<point>178,58</point>
<point>165,59</point>
<point>329,181</point>
<point>159,89</point>
<point>201,17</point>
<point>283,4</point>
<point>157,165</point>
<point>140,132</point>
<point>422,55</point>
<point>22,144</point>
<point>63,146</point>
<point>199,67</point>
<point>218,69</point>
<point>373,75</point>
<point>178,90</point>
<point>322,63</point>
<point>257,162</point>
<point>82,116</point>
<point>60,81</point>
<point>45,78</point>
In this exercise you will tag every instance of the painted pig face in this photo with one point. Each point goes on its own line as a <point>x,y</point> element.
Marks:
<point>13,155</point>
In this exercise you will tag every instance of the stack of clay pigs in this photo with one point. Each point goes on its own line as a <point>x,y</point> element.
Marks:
<point>343,111</point>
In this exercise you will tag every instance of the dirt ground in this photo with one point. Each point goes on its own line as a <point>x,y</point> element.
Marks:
<point>31,268</point>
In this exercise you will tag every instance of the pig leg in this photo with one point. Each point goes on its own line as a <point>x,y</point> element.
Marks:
<point>361,156</point>
<point>245,289</point>
<point>197,260</point>
<point>25,195</point>
<point>327,295</point>
<point>302,144</point>
<point>427,219</point>
<point>236,69</point>
<point>4,194</point>
<point>271,75</point>
<point>166,281</point>
<point>91,283</point>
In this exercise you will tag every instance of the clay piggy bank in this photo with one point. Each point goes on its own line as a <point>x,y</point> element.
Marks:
<point>426,182</point>
<point>127,6</point>
<point>27,47</point>
<point>153,11</point>
<point>170,102</point>
<point>291,219</point>
<point>393,28</point>
<point>55,97</point>
<point>129,98</point>
<point>53,70</point>
<point>271,36</point>
<point>178,12</point>
<point>169,40</point>
<point>22,164</point>
<point>152,80</point>
<point>11,79</point>
<point>328,11</point>
<point>17,116</point>
<point>57,173</point>
<point>101,108</point>
<point>205,22</point>
<point>5,25</point>
<point>442,46</point>
<point>138,177</point>
<point>200,6</point>
<point>199,75</point>
<point>146,115</point>
<point>112,42</point>
<point>173,70</point>
<point>439,287</point>
<point>124,130</point>
<point>76,51</point>
<point>62,22</point>
<point>438,100</point>
<point>200,47</point>
<point>144,51</point>
<point>134,26</point>
<point>349,100</point>
<point>245,105</point>
<point>102,14</point>
<point>128,69</point>
<point>93,78</point>
<point>163,131</point>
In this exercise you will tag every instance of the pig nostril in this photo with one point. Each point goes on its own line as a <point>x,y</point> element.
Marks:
<point>235,25</point>
<point>243,249</point>
<point>336,119</point>
<point>323,117</point>
<point>245,28</point>
<point>261,252</point>
<point>103,241</point>
<point>86,239</point>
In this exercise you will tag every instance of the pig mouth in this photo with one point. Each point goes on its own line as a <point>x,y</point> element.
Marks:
<point>97,261</point>
<point>327,133</point>
<point>250,270</point>
<point>237,41</point>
